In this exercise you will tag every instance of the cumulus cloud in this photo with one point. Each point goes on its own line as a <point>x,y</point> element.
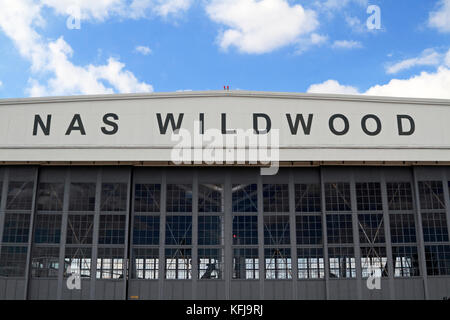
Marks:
<point>1,83</point>
<point>257,27</point>
<point>339,4</point>
<point>103,9</point>
<point>19,20</point>
<point>346,44</point>
<point>429,57</point>
<point>143,50</point>
<point>424,85</point>
<point>440,19</point>
<point>332,86</point>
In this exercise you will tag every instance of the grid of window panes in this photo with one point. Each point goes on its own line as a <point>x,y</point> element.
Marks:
<point>179,198</point>
<point>374,261</point>
<point>178,263</point>
<point>371,228</point>
<point>276,230</point>
<point>50,197</point>
<point>145,263</point>
<point>111,229</point>
<point>147,197</point>
<point>82,196</point>
<point>245,230</point>
<point>342,262</point>
<point>276,198</point>
<point>77,260</point>
<point>310,263</point>
<point>210,230</point>
<point>368,196</point>
<point>146,230</point>
<point>244,198</point>
<point>309,229</point>
<point>80,228</point>
<point>431,195</point>
<point>307,198</point>
<point>399,195</point>
<point>210,263</point>
<point>178,230</point>
<point>406,261</point>
<point>110,263</point>
<point>337,196</point>
<point>277,263</point>
<point>210,198</point>
<point>245,263</point>
<point>403,228</point>
<point>437,258</point>
<point>339,228</point>
<point>434,226</point>
<point>44,262</point>
<point>114,197</point>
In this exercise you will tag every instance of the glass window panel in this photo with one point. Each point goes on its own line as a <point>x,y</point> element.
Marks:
<point>82,197</point>
<point>342,262</point>
<point>111,229</point>
<point>210,230</point>
<point>434,227</point>
<point>16,228</point>
<point>110,263</point>
<point>337,196</point>
<point>45,262</point>
<point>374,262</point>
<point>339,228</point>
<point>438,260</point>
<point>403,228</point>
<point>178,263</point>
<point>77,261</point>
<point>245,198</point>
<point>276,197</point>
<point>179,198</point>
<point>20,195</point>
<point>114,197</point>
<point>210,198</point>
<point>399,196</point>
<point>146,230</point>
<point>307,198</point>
<point>406,261</point>
<point>145,263</point>
<point>47,228</point>
<point>210,262</point>
<point>245,230</point>
<point>431,194</point>
<point>278,264</point>
<point>371,228</point>
<point>276,230</point>
<point>368,196</point>
<point>310,263</point>
<point>13,261</point>
<point>245,263</point>
<point>309,229</point>
<point>50,197</point>
<point>178,230</point>
<point>147,198</point>
<point>79,229</point>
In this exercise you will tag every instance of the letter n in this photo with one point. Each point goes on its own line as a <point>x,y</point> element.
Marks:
<point>44,127</point>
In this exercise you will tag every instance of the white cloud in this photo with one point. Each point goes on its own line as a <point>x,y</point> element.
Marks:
<point>332,86</point>
<point>168,7</point>
<point>440,19</point>
<point>143,50</point>
<point>53,72</point>
<point>339,4</point>
<point>447,59</point>
<point>424,85</point>
<point>257,27</point>
<point>346,44</point>
<point>1,83</point>
<point>429,57</point>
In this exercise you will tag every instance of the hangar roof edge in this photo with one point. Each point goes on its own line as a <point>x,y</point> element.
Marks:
<point>220,93</point>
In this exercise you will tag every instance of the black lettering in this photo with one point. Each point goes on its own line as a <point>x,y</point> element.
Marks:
<point>80,127</point>
<point>202,123</point>
<point>364,125</point>
<point>115,126</point>
<point>299,118</point>
<point>44,127</point>
<point>224,125</point>
<point>169,117</point>
<point>401,131</point>
<point>331,124</point>
<point>255,123</point>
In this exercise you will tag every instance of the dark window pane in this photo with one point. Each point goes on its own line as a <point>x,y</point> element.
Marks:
<point>79,229</point>
<point>368,196</point>
<point>438,260</point>
<point>406,261</point>
<point>17,228</point>
<point>82,197</point>
<point>210,230</point>
<point>178,263</point>
<point>179,198</point>
<point>403,228</point>
<point>434,227</point>
<point>276,230</point>
<point>245,198</point>
<point>276,198</point>
<point>371,228</point>
<point>337,197</point>
<point>47,228</point>
<point>245,263</point>
<point>309,229</point>
<point>210,198</point>
<point>399,196</point>
<point>20,195</point>
<point>339,228</point>
<point>307,198</point>
<point>13,261</point>
<point>146,230</point>
<point>245,230</point>
<point>342,262</point>
<point>210,263</point>
<point>431,195</point>
<point>78,261</point>
<point>147,198</point>
<point>111,229</point>
<point>179,230</point>
<point>114,197</point>
<point>50,197</point>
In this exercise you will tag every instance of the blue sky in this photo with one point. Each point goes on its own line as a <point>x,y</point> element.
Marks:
<point>264,45</point>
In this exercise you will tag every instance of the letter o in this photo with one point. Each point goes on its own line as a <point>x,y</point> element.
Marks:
<point>331,124</point>
<point>364,126</point>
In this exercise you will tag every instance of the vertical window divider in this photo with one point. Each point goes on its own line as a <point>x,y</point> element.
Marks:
<point>293,235</point>
<point>162,235</point>
<point>356,244</point>
<point>194,254</point>
<point>127,265</point>
<point>30,233</point>
<point>62,241</point>
<point>228,230</point>
<point>98,192</point>
<point>262,261</point>
<point>387,235</point>
<point>419,229</point>
<point>324,234</point>
<point>445,185</point>
<point>3,204</point>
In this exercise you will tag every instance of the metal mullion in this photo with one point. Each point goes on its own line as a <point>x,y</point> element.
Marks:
<point>30,233</point>
<point>227,235</point>
<point>260,236</point>
<point>324,234</point>
<point>96,223</point>
<point>162,235</point>
<point>445,185</point>
<point>356,244</point>
<point>3,203</point>
<point>419,230</point>
<point>194,228</point>
<point>293,237</point>
<point>127,251</point>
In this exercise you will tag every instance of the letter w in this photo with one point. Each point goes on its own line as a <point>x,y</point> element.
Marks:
<point>299,118</point>
<point>44,127</point>
<point>163,127</point>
